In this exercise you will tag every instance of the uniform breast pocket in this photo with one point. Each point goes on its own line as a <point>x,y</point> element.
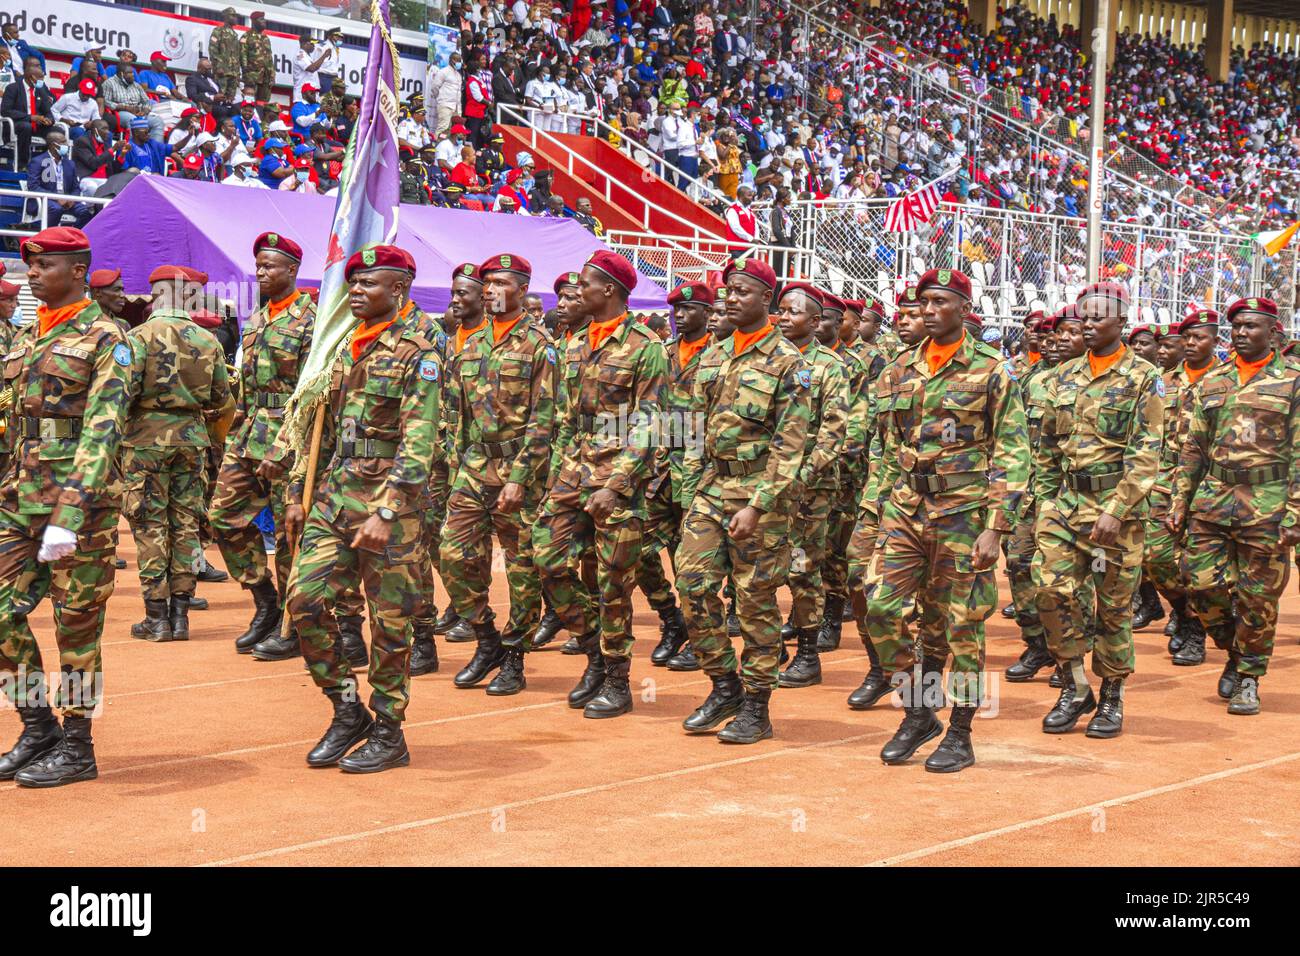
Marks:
<point>516,374</point>
<point>13,367</point>
<point>755,393</point>
<point>66,380</point>
<point>283,349</point>
<point>1264,414</point>
<point>383,390</point>
<point>1115,416</point>
<point>616,376</point>
<point>1062,414</point>
<point>964,407</point>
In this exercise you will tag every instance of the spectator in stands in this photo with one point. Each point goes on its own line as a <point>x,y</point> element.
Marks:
<point>214,160</point>
<point>77,109</point>
<point>325,153</point>
<point>223,48</point>
<point>300,181</point>
<point>273,167</point>
<point>95,156</point>
<point>332,68</point>
<point>126,98</point>
<point>539,196</point>
<point>729,166</point>
<point>202,87</point>
<point>505,90</point>
<point>243,172</point>
<point>143,152</point>
<point>586,219</point>
<point>306,62</point>
<point>29,104</point>
<point>444,92</point>
<point>123,56</point>
<point>555,208</point>
<point>306,112</point>
<point>478,99</point>
<point>51,171</point>
<point>185,134</point>
<point>781,226</point>
<point>247,128</point>
<point>14,51</point>
<point>742,225</point>
<point>545,99</point>
<point>449,147</point>
<point>343,125</point>
<point>465,172</point>
<point>257,58</point>
<point>412,133</point>
<point>491,161</point>
<point>158,79</point>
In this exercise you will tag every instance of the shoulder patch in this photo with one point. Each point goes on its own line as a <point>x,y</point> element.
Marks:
<point>550,354</point>
<point>1160,386</point>
<point>122,354</point>
<point>805,377</point>
<point>429,370</point>
<point>1010,366</point>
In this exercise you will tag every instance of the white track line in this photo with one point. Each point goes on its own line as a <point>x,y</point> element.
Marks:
<point>1080,811</point>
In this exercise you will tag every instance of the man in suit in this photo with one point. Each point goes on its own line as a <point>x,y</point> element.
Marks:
<point>504,89</point>
<point>52,171</point>
<point>30,105</point>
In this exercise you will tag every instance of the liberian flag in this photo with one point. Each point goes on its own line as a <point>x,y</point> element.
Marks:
<point>365,215</point>
<point>914,209</point>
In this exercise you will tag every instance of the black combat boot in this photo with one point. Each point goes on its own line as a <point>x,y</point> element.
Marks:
<point>723,701</point>
<point>41,734</point>
<point>198,603</point>
<point>384,749</point>
<point>572,647</point>
<point>806,668</point>
<point>684,660</point>
<point>1034,659</point>
<point>510,679</point>
<point>954,752</point>
<point>447,621</point>
<point>266,617</point>
<point>1148,607</point>
<point>211,575</point>
<point>788,630</point>
<point>1056,681</point>
<point>462,632</point>
<point>672,635</point>
<point>874,686</point>
<point>753,723</point>
<point>828,635</point>
<point>180,617</point>
<point>733,621</point>
<point>615,696</point>
<point>278,648</point>
<point>1245,699</point>
<point>1009,611</point>
<point>350,726</point>
<point>593,678</point>
<point>1174,626</point>
<point>487,656</point>
<point>919,725</point>
<point>846,616</point>
<point>353,646</point>
<point>1193,650</point>
<point>1070,706</point>
<point>1228,680</point>
<point>547,630</point>
<point>156,625</point>
<point>73,760</point>
<point>1109,720</point>
<point>424,652</point>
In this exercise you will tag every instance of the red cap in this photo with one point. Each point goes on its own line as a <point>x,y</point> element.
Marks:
<point>206,318</point>
<point>831,301</point>
<point>507,262</point>
<point>170,274</point>
<point>467,270</point>
<point>257,15</point>
<point>572,278</point>
<point>1138,330</point>
<point>949,279</point>
<point>58,241</point>
<point>1262,306</point>
<point>194,275</point>
<point>7,289</point>
<point>278,243</point>
<point>193,161</point>
<point>461,130</point>
<point>380,257</point>
<point>614,266</point>
<point>103,278</point>
<point>88,86</point>
<point>908,298</point>
<point>189,111</point>
<point>159,55</point>
<point>302,162</point>
<point>807,288</point>
<point>691,292</point>
<point>309,88</point>
<point>1199,317</point>
<point>754,268</point>
<point>1114,291</point>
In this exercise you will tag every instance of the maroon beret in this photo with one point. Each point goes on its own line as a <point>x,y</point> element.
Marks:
<point>1107,290</point>
<point>720,294</point>
<point>853,305</point>
<point>103,278</point>
<point>1199,317</point>
<point>170,274</point>
<point>1066,313</point>
<point>975,320</point>
<point>467,270</point>
<point>1262,306</point>
<point>869,304</point>
<point>7,289</point>
<point>194,275</point>
<point>691,293</point>
<point>1138,330</point>
<point>807,288</point>
<point>573,279</point>
<point>949,279</point>
<point>58,241</point>
<point>380,257</point>
<point>908,297</point>
<point>832,301</point>
<point>614,266</point>
<point>507,262</point>
<point>1033,318</point>
<point>756,269</point>
<point>3,268</point>
<point>278,243</point>
<point>1047,324</point>
<point>206,318</point>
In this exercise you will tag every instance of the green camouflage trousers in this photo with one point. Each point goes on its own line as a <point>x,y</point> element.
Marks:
<point>1161,562</point>
<point>164,500</point>
<point>663,526</point>
<point>79,587</point>
<point>808,532</point>
<point>1245,567</point>
<point>328,567</point>
<point>1020,560</point>
<point>563,538</point>
<point>843,518</point>
<point>757,567</point>
<point>1064,566</point>
<point>929,559</point>
<point>466,558</point>
<point>239,497</point>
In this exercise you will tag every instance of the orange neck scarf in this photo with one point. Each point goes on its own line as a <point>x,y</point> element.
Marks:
<point>600,331</point>
<point>937,356</point>
<point>688,350</point>
<point>745,340</point>
<point>463,334</point>
<point>49,318</point>
<point>1033,357</point>
<point>1100,363</point>
<point>273,309</point>
<point>364,334</point>
<point>1248,370</point>
<point>1194,374</point>
<point>501,327</point>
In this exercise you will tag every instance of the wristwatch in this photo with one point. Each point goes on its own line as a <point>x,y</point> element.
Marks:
<point>386,513</point>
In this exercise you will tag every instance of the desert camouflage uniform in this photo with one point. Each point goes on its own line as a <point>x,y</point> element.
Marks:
<point>1099,446</point>
<point>376,451</point>
<point>180,373</point>
<point>1239,480</point>
<point>73,388</point>
<point>756,409</point>
<point>224,52</point>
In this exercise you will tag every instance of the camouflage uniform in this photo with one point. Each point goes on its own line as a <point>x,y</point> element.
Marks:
<point>1238,481</point>
<point>73,387</point>
<point>610,401</point>
<point>956,464</point>
<point>258,62</point>
<point>273,352</point>
<point>505,395</point>
<point>756,411</point>
<point>376,450</point>
<point>224,52</point>
<point>181,374</point>
<point>1021,547</point>
<point>1099,445</point>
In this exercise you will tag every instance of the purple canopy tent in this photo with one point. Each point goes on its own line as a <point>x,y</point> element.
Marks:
<point>158,221</point>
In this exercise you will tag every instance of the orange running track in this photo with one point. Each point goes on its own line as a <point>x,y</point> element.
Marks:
<point>201,759</point>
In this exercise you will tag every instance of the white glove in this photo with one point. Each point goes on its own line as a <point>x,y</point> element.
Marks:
<point>57,544</point>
